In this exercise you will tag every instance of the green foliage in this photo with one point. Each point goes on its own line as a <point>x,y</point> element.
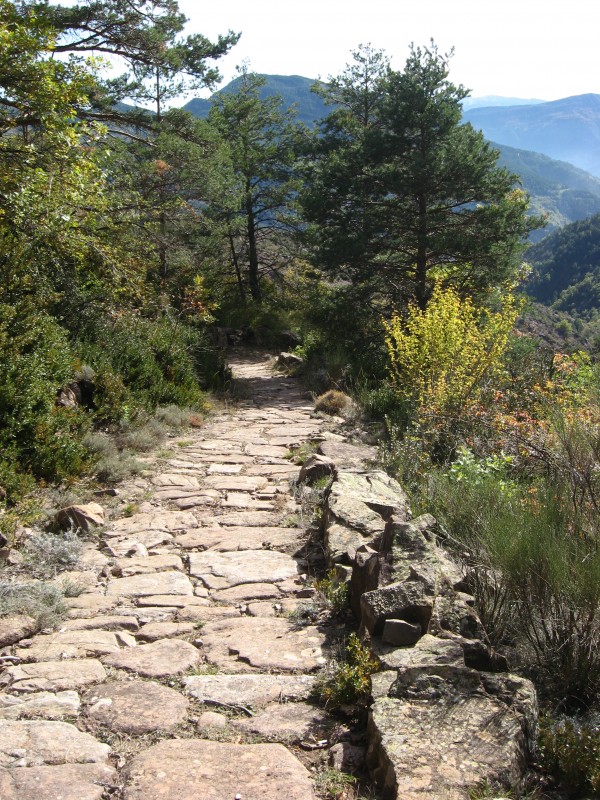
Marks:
<point>571,752</point>
<point>350,682</point>
<point>444,358</point>
<point>262,143</point>
<point>566,272</point>
<point>335,592</point>
<point>401,195</point>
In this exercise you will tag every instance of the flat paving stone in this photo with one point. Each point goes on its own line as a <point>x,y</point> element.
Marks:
<point>242,483</point>
<point>48,705</point>
<point>174,601</point>
<point>74,644</point>
<point>32,743</point>
<point>138,565</point>
<point>164,583</point>
<point>120,547</point>
<point>246,566</point>
<point>286,722</point>
<point>176,479</point>
<point>107,623</point>
<point>270,644</point>
<point>252,519</point>
<point>58,782</point>
<point>156,660</point>
<point>248,591</point>
<point>158,521</point>
<point>87,604</point>
<point>136,707</point>
<point>165,630</point>
<point>193,769</point>
<point>249,690</point>
<point>54,676</point>
<point>224,469</point>
<point>266,451</point>
<point>232,538</point>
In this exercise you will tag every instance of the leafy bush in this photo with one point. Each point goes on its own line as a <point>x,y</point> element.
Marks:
<point>37,437</point>
<point>571,752</point>
<point>335,592</point>
<point>350,681</point>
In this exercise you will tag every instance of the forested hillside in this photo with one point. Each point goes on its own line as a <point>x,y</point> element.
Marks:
<point>566,129</point>
<point>567,268</point>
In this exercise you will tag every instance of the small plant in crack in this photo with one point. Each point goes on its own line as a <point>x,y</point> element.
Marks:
<point>348,681</point>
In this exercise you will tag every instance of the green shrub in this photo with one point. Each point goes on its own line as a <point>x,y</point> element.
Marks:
<point>535,572</point>
<point>333,591</point>
<point>38,438</point>
<point>350,680</point>
<point>571,752</point>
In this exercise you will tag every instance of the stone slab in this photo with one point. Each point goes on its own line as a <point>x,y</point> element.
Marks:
<point>246,566</point>
<point>165,630</point>
<point>191,769</point>
<point>59,782</point>
<point>136,707</point>
<point>74,644</point>
<point>34,743</point>
<point>286,722</point>
<point>245,538</point>
<point>159,659</point>
<point>254,691</point>
<point>159,521</point>
<point>54,675</point>
<point>47,705</point>
<point>138,565</point>
<point>157,583</point>
<point>270,644</point>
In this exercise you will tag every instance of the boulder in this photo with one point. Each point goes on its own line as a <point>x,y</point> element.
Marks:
<point>411,601</point>
<point>289,360</point>
<point>84,517</point>
<point>16,627</point>
<point>316,467</point>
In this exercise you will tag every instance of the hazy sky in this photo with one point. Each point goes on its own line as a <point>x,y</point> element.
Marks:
<point>519,48</point>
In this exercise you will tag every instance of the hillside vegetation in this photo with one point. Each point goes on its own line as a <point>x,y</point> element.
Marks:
<point>566,129</point>
<point>567,268</point>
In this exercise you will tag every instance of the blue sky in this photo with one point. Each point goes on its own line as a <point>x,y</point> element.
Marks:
<point>543,49</point>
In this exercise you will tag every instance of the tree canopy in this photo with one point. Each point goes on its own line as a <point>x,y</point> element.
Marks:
<point>400,195</point>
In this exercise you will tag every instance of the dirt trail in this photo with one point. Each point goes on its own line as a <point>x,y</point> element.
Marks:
<point>179,674</point>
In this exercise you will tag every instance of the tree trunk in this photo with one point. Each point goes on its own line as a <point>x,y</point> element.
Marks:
<point>253,276</point>
<point>236,266</point>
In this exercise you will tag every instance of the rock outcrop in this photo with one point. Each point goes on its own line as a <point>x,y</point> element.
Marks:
<point>444,717</point>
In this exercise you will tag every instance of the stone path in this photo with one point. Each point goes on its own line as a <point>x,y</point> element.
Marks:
<point>179,673</point>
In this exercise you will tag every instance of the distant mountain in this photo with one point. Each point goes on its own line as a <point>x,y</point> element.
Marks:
<point>496,100</point>
<point>294,89</point>
<point>567,129</point>
<point>558,189</point>
<point>567,268</point>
